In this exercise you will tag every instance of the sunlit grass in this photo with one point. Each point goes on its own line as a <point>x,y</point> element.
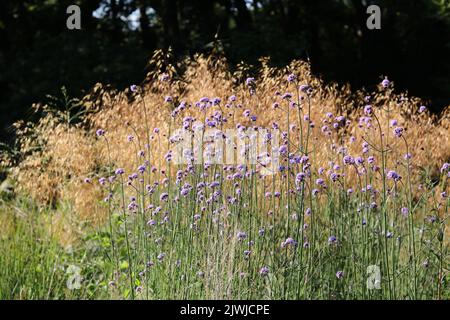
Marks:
<point>359,194</point>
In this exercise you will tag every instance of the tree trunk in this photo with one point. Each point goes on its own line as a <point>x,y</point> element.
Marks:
<point>171,25</point>
<point>243,17</point>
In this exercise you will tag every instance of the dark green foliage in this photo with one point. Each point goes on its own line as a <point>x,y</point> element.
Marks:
<point>39,55</point>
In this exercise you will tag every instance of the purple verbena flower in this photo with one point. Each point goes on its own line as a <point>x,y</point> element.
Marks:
<point>264,271</point>
<point>164,196</point>
<point>292,77</point>
<point>286,96</point>
<point>348,160</point>
<point>385,83</point>
<point>320,182</point>
<point>398,132</point>
<point>405,211</point>
<point>289,242</point>
<point>161,256</point>
<point>250,81</point>
<point>393,175</point>
<point>332,240</point>
<point>241,235</point>
<point>368,110</point>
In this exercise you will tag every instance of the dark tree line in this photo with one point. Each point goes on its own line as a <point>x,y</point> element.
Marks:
<point>38,54</point>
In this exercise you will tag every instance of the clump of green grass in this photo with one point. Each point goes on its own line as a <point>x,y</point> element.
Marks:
<point>34,264</point>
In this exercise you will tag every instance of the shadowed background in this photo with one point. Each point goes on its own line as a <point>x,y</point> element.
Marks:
<point>39,55</point>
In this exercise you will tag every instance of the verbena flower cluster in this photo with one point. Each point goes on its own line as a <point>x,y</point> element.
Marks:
<point>299,230</point>
<point>355,206</point>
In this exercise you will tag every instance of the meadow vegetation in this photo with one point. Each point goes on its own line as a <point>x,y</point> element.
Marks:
<point>357,208</point>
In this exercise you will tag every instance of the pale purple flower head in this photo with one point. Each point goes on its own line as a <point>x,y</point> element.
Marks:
<point>405,211</point>
<point>348,160</point>
<point>334,176</point>
<point>332,240</point>
<point>241,235</point>
<point>289,242</point>
<point>340,274</point>
<point>305,88</point>
<point>398,132</point>
<point>164,196</point>
<point>264,271</point>
<point>283,149</point>
<point>161,256</point>
<point>393,175</point>
<point>286,96</point>
<point>300,177</point>
<point>359,160</point>
<point>100,132</point>
<point>368,110</point>
<point>250,81</point>
<point>292,77</point>
<point>385,83</point>
<point>141,169</point>
<point>422,109</point>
